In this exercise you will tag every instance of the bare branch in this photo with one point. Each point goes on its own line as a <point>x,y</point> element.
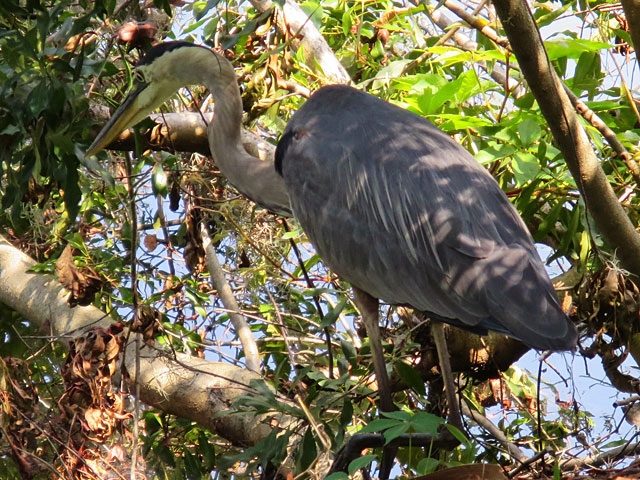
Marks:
<point>499,435</point>
<point>316,50</point>
<point>478,23</point>
<point>225,294</point>
<point>599,459</point>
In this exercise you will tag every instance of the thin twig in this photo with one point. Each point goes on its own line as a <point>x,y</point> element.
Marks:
<point>528,462</point>
<point>601,458</point>
<point>134,303</point>
<point>498,434</point>
<point>316,300</point>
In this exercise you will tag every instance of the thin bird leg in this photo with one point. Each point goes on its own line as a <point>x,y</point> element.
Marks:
<point>368,307</point>
<point>437,330</point>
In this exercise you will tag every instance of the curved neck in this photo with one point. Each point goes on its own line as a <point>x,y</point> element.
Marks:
<point>253,177</point>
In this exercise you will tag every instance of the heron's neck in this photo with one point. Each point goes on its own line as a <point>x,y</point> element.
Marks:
<point>253,177</point>
<point>219,77</point>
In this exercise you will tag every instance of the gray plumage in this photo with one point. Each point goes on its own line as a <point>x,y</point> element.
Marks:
<point>404,213</point>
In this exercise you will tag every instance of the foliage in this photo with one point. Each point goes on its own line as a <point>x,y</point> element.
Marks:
<point>132,222</point>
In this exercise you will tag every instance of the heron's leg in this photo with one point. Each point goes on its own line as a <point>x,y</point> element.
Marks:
<point>437,330</point>
<point>368,307</point>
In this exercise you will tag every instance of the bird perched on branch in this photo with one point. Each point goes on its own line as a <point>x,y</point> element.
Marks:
<point>391,203</point>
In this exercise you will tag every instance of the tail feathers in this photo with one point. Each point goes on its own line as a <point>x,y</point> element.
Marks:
<point>522,300</point>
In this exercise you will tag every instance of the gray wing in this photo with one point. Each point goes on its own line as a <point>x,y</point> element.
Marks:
<point>400,210</point>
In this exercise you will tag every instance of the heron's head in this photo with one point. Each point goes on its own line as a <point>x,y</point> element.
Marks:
<point>163,70</point>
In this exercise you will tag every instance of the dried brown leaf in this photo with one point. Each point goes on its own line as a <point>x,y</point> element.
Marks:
<point>151,242</point>
<point>83,285</point>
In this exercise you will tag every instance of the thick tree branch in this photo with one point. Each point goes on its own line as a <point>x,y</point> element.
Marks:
<point>608,214</point>
<point>317,52</point>
<point>632,13</point>
<point>179,132</point>
<point>189,387</point>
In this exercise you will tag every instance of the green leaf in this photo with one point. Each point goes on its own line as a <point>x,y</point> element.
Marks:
<point>360,462</point>
<point>308,451</point>
<point>525,167</point>
<point>428,465</point>
<point>399,415</point>
<point>39,98</point>
<point>346,413</point>
<point>544,17</point>
<point>349,352</point>
<point>588,72</point>
<point>291,234</point>
<point>72,193</point>
<point>572,47</point>
<point>386,74</point>
<point>346,22</point>
<point>549,221</point>
<point>332,315</point>
<point>159,181</point>
<point>461,437</point>
<point>394,432</point>
<point>529,131</point>
<point>425,422</point>
<point>458,122</point>
<point>411,377</point>
<point>207,450</point>
<point>192,466</point>
<point>494,151</point>
<point>378,425</point>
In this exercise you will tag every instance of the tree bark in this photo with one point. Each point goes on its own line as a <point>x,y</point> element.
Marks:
<point>179,132</point>
<point>572,140</point>
<point>189,387</point>
<point>632,13</point>
<point>318,54</point>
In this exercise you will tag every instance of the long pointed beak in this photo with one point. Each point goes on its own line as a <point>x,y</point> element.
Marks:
<point>130,112</point>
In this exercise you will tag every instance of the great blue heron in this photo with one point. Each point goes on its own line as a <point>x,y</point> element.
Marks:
<point>391,203</point>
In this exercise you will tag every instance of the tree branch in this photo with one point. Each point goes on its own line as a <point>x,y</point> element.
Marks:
<point>599,459</point>
<point>608,214</point>
<point>498,72</point>
<point>316,50</point>
<point>225,294</point>
<point>632,13</point>
<point>499,435</point>
<point>189,387</point>
<point>179,132</point>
